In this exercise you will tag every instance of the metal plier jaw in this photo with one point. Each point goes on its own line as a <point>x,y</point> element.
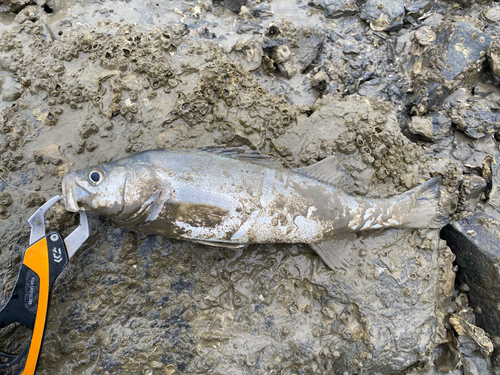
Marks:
<point>43,261</point>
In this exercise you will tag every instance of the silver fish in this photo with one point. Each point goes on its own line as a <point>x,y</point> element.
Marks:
<point>222,201</point>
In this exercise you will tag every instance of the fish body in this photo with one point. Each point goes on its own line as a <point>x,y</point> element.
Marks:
<point>206,197</point>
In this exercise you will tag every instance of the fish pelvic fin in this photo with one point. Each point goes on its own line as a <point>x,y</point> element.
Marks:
<point>431,207</point>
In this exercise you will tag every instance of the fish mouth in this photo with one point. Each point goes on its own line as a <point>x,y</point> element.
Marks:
<point>69,184</point>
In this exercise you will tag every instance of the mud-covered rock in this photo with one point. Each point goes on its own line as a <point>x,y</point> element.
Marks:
<point>16,5</point>
<point>10,89</point>
<point>433,126</point>
<point>289,48</point>
<point>119,89</point>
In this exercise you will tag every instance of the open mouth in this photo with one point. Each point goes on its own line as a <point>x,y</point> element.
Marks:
<point>68,189</point>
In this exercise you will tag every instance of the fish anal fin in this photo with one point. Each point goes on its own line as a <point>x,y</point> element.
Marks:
<point>228,245</point>
<point>336,253</point>
<point>330,171</point>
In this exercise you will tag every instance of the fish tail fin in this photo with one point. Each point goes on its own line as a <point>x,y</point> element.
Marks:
<point>430,209</point>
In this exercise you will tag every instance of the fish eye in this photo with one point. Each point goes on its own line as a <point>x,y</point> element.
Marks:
<point>96,176</point>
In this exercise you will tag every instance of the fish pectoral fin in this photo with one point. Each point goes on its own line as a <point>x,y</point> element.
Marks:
<point>228,245</point>
<point>336,253</point>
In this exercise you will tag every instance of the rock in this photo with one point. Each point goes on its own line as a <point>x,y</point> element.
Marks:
<point>376,88</point>
<point>352,49</point>
<point>477,121</point>
<point>471,192</point>
<point>463,327</point>
<point>491,15</point>
<point>16,5</point>
<point>418,8</point>
<point>235,5</point>
<point>421,126</point>
<point>319,81</point>
<point>433,126</point>
<point>476,365</point>
<point>30,13</point>
<point>440,66</point>
<point>494,196</point>
<point>244,26</point>
<point>493,56</point>
<point>383,14</point>
<point>425,36</point>
<point>474,241</point>
<point>289,48</point>
<point>336,8</point>
<point>10,89</point>
<point>261,10</point>
<point>248,54</point>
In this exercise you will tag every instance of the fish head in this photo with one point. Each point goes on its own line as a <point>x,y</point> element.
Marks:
<point>126,193</point>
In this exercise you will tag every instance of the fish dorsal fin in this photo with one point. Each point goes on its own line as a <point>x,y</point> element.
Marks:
<point>336,253</point>
<point>243,154</point>
<point>330,171</point>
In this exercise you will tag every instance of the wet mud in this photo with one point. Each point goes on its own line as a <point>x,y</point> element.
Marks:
<point>85,82</point>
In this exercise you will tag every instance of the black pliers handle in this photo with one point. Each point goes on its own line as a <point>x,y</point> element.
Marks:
<point>42,263</point>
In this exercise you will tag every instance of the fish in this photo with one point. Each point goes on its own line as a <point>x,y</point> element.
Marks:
<point>219,200</point>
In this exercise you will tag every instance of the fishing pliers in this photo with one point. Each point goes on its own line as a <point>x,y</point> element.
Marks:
<point>43,261</point>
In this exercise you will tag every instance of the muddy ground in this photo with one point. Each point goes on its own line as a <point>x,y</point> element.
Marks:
<point>400,92</point>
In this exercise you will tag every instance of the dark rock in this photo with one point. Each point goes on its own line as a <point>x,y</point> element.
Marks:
<point>309,47</point>
<point>204,32</point>
<point>243,26</point>
<point>475,122</point>
<point>475,365</point>
<point>383,14</point>
<point>455,54</point>
<point>441,125</point>
<point>418,8</point>
<point>493,202</point>
<point>234,5</point>
<point>471,192</point>
<point>261,10</point>
<point>336,8</point>
<point>352,49</point>
<point>466,44</point>
<point>475,244</point>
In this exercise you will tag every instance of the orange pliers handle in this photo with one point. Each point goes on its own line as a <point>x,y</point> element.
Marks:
<point>43,261</point>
